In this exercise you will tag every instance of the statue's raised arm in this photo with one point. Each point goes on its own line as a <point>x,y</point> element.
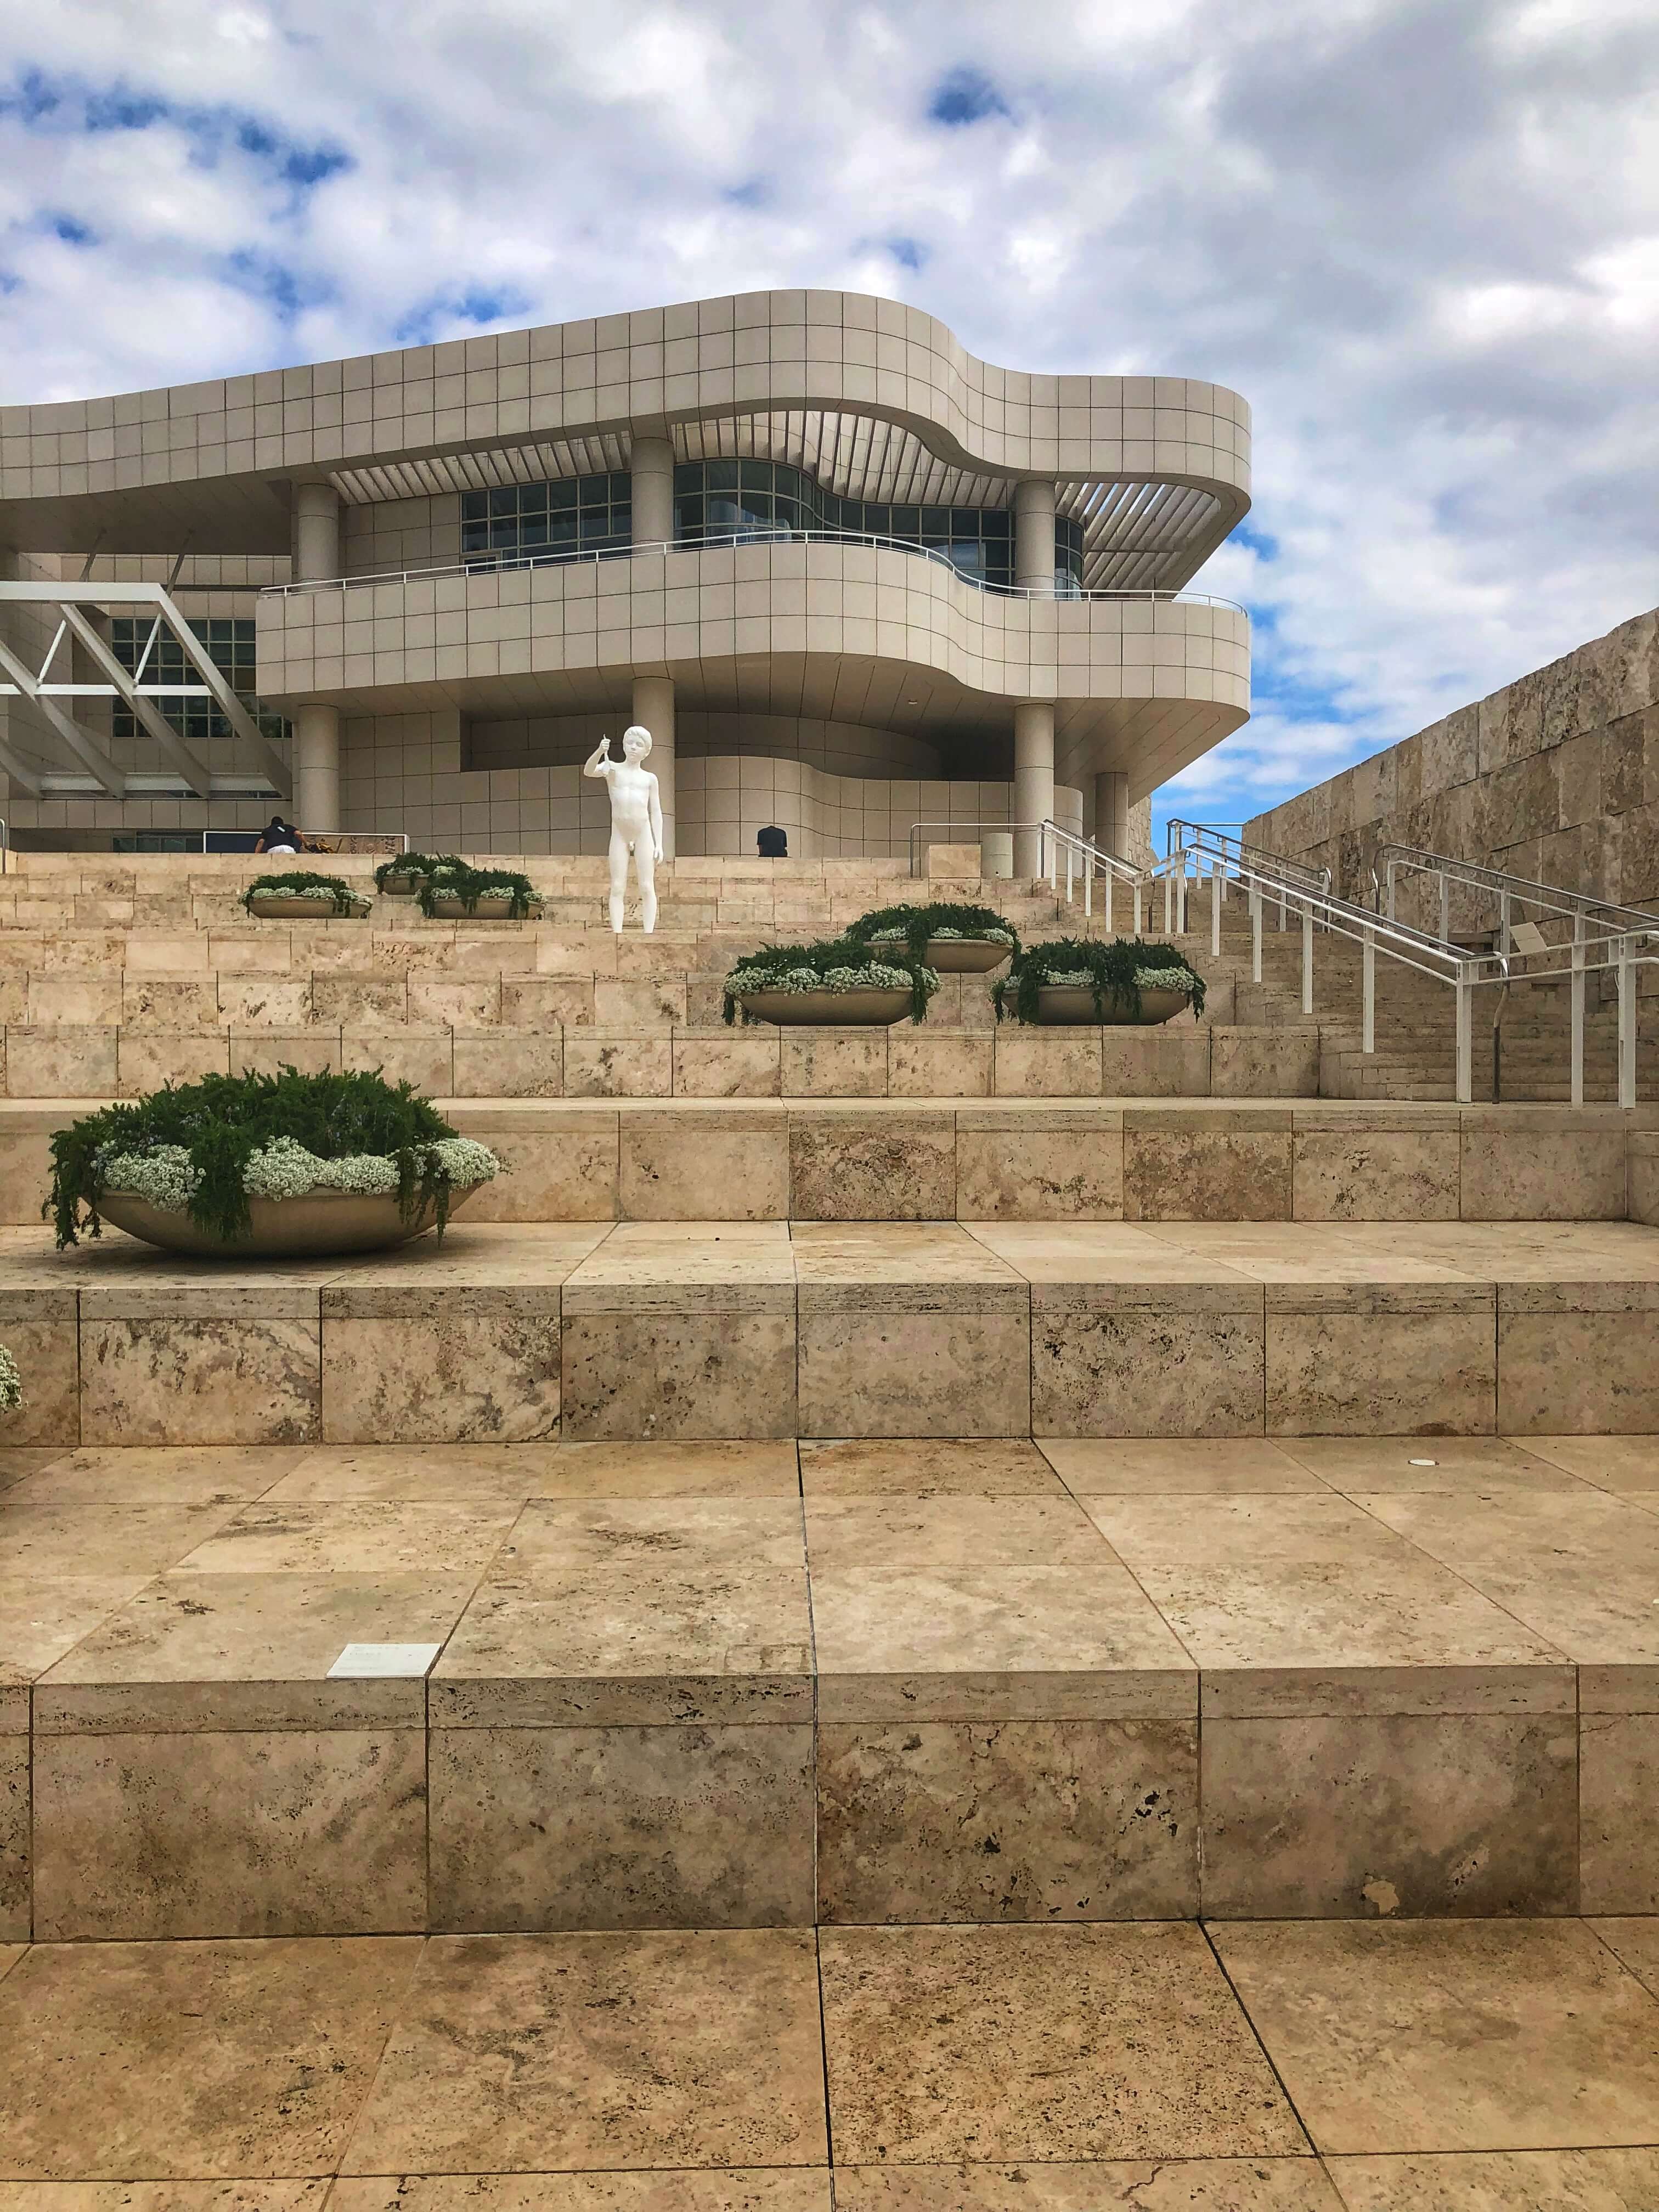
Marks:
<point>598,762</point>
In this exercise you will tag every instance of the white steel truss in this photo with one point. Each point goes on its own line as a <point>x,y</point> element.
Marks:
<point>141,693</point>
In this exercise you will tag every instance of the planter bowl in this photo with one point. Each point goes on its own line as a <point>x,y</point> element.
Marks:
<point>847,1010</point>
<point>1070,1003</point>
<point>397,886</point>
<point>288,906</point>
<point>283,1228</point>
<point>447,908</point>
<point>954,955</point>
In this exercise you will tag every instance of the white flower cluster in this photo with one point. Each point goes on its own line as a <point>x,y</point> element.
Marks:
<point>11,1383</point>
<point>284,1169</point>
<point>163,1178</point>
<point>1146,979</point>
<point>874,975</point>
<point>988,935</point>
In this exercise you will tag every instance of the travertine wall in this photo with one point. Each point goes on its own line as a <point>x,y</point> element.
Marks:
<point>1555,777</point>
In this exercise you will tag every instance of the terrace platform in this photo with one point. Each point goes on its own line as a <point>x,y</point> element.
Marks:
<point>770,1329</point>
<point>746,1685</point>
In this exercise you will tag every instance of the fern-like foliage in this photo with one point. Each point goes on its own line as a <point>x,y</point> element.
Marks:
<point>470,884</point>
<point>917,924</point>
<point>416,865</point>
<point>1116,970</point>
<point>223,1118</point>
<point>304,883</point>
<point>835,964</point>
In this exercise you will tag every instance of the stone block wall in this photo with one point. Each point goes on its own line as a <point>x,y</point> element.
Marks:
<point>1555,777</point>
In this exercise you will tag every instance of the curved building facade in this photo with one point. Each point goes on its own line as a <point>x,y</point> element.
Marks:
<point>853,579</point>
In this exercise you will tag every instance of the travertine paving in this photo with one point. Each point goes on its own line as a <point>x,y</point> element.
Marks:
<point>839,1682</point>
<point>1283,2067</point>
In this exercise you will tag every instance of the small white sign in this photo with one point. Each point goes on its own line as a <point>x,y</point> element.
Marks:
<point>359,1660</point>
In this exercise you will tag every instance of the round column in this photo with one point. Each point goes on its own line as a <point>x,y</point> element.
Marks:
<point>653,707</point>
<point>316,533</point>
<point>1112,812</point>
<point>652,462</point>
<point>317,767</point>
<point>1033,781</point>
<point>316,543</point>
<point>1034,533</point>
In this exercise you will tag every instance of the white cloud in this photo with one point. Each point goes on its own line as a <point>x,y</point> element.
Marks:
<point>1423,241</point>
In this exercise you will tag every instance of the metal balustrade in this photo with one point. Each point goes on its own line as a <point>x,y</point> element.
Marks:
<point>509,563</point>
<point>1591,934</point>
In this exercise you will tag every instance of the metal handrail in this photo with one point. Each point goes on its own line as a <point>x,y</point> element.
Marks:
<point>505,562</point>
<point>1525,890</point>
<point>1212,837</point>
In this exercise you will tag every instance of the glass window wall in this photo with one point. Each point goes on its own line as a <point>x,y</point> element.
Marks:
<point>768,499</point>
<point>231,644</point>
<point>572,515</point>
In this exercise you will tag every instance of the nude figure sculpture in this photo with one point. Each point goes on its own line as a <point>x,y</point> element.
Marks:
<point>636,822</point>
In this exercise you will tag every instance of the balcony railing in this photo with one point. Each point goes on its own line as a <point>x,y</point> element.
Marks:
<point>503,561</point>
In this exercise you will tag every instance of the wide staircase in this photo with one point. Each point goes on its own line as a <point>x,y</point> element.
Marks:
<point>848,1556</point>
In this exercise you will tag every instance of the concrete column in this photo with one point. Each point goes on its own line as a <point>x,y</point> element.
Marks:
<point>1034,780</point>
<point>652,466</point>
<point>317,767</point>
<point>316,533</point>
<point>653,707</point>
<point>1034,533</point>
<point>1112,812</point>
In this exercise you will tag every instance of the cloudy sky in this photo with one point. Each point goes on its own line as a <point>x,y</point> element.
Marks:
<point>1422,239</point>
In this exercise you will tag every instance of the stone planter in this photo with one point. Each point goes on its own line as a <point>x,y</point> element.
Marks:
<point>283,1228</point>
<point>445,909</point>
<point>396,886</point>
<point>288,906</point>
<point>952,956</point>
<point>847,1010</point>
<point>1068,1003</point>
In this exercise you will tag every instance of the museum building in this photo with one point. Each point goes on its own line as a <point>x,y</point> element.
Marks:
<point>852,580</point>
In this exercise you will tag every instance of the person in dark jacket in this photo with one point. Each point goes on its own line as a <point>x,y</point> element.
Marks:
<point>280,836</point>
<point>772,843</point>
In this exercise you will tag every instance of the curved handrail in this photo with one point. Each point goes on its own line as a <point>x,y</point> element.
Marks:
<point>507,563</point>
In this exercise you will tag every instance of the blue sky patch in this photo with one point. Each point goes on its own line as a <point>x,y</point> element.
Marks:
<point>966,95</point>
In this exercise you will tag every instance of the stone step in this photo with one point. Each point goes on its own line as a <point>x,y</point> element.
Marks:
<point>1020,1160</point>
<point>759,1329</point>
<point>589,1059</point>
<point>316,1690</point>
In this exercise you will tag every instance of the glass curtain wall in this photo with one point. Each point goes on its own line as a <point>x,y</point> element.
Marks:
<point>232,649</point>
<point>722,500</point>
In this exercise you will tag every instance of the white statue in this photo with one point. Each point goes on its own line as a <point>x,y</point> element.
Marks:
<point>636,822</point>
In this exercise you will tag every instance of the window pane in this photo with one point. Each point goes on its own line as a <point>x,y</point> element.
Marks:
<point>755,475</point>
<point>722,475</point>
<point>505,500</point>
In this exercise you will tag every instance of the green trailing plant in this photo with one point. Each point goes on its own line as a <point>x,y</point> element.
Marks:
<point>419,866</point>
<point>469,884</point>
<point>1117,970</point>
<point>917,925</point>
<point>332,892</point>
<point>11,1383</point>
<point>206,1148</point>
<point>838,964</point>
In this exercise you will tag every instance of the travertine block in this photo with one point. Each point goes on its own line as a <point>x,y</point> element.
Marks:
<point>1200,1166</point>
<point>960,1821</point>
<point>622,1827</point>
<point>1364,1816</point>
<point>1160,1359</point>
<point>1038,1166</point>
<point>1381,1360</point>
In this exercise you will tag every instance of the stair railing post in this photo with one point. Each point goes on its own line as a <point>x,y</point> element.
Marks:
<point>1068,875</point>
<point>1504,922</point>
<point>1307,960</point>
<point>1255,933</point>
<point>1578,1009</point>
<point>1445,907</point>
<point>1627,1025</point>
<point>1368,968</point>
<point>1181,899</point>
<point>1111,885</point>
<point>1389,872</point>
<point>1169,904</point>
<point>1089,885</point>
<point>1215,905</point>
<point>1465,1036</point>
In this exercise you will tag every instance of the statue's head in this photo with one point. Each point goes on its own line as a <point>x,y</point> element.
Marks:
<point>636,743</point>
